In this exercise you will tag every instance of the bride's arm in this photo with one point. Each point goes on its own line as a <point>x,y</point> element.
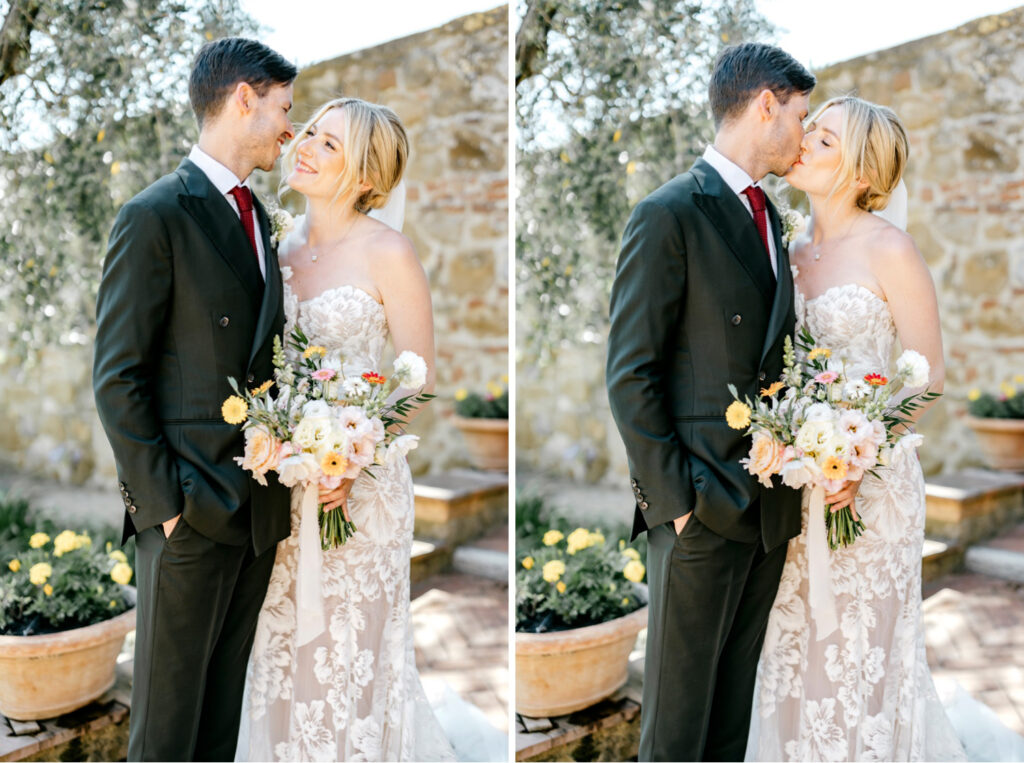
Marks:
<point>908,287</point>
<point>405,293</point>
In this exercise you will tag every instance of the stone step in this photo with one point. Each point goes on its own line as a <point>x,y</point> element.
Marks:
<point>939,558</point>
<point>458,505</point>
<point>483,562</point>
<point>428,558</point>
<point>1000,557</point>
<point>970,505</point>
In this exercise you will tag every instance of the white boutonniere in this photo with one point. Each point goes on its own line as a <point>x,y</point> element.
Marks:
<point>281,223</point>
<point>793,224</point>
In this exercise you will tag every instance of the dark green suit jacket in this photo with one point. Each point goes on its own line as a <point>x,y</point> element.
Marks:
<point>181,307</point>
<point>695,307</point>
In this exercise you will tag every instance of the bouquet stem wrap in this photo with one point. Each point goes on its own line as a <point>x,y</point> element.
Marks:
<point>310,612</point>
<point>819,577</point>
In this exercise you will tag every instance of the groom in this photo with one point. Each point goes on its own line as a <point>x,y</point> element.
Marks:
<point>191,294</point>
<point>703,297</point>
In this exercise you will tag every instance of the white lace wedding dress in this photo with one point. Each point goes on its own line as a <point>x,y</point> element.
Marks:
<point>865,692</point>
<point>353,692</point>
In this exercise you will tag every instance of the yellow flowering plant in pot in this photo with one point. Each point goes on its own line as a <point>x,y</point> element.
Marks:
<point>482,417</point>
<point>997,419</point>
<point>65,608</point>
<point>580,603</point>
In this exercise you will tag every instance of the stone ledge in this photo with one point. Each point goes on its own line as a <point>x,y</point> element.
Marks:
<point>457,505</point>
<point>428,558</point>
<point>973,504</point>
<point>939,558</point>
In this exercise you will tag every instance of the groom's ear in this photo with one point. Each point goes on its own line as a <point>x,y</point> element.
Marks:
<point>243,99</point>
<point>766,104</point>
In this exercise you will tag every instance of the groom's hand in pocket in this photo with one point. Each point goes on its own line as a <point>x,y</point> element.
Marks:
<point>680,522</point>
<point>170,524</point>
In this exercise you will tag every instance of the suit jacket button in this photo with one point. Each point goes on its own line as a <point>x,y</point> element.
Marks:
<point>250,379</point>
<point>633,483</point>
<point>224,321</point>
<point>127,500</point>
<point>737,319</point>
<point>760,376</point>
<point>132,509</point>
<point>643,504</point>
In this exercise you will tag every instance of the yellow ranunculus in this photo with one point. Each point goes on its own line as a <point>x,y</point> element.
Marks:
<point>737,415</point>
<point>578,540</point>
<point>38,540</point>
<point>974,394</point>
<point>14,565</point>
<point>632,553</point>
<point>64,542</point>
<point>553,570</point>
<point>461,394</point>
<point>560,587</point>
<point>48,589</point>
<point>121,573</point>
<point>551,537</point>
<point>528,563</point>
<point>39,573</point>
<point>118,556</point>
<point>1008,390</point>
<point>634,571</point>
<point>495,389</point>
<point>234,410</point>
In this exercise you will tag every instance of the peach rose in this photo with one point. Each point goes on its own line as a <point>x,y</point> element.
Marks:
<point>765,459</point>
<point>262,453</point>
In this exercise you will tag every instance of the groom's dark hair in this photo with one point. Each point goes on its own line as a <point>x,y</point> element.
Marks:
<point>220,65</point>
<point>743,71</point>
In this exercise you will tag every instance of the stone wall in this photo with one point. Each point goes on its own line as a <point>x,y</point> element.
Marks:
<point>450,88</point>
<point>961,96</point>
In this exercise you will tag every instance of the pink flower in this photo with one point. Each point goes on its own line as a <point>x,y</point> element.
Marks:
<point>324,374</point>
<point>766,457</point>
<point>330,483</point>
<point>262,453</point>
<point>826,377</point>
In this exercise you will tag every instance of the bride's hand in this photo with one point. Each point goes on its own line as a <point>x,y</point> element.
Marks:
<point>332,499</point>
<point>844,497</point>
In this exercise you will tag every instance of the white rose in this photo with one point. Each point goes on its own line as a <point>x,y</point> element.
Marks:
<point>914,366</point>
<point>301,467</point>
<point>819,412</point>
<point>410,370</point>
<point>312,431</point>
<point>814,436</point>
<point>885,455</point>
<point>399,447</point>
<point>316,409</point>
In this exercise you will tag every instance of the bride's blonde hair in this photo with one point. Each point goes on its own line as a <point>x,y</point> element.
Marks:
<point>375,148</point>
<point>873,149</point>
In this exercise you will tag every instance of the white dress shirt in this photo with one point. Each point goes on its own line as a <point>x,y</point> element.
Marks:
<point>738,180</point>
<point>224,180</point>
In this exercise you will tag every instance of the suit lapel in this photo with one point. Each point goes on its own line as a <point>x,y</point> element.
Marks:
<point>735,225</point>
<point>783,301</point>
<point>220,223</point>
<point>272,290</point>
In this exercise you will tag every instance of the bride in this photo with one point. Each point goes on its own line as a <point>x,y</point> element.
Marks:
<point>343,685</point>
<point>859,688</point>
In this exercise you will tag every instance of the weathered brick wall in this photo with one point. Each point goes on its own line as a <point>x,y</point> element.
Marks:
<point>961,96</point>
<point>449,86</point>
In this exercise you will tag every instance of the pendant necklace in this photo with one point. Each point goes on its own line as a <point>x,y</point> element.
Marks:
<point>313,250</point>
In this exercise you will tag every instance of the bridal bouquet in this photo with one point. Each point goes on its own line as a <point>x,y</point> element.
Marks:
<point>828,428</point>
<point>322,426</point>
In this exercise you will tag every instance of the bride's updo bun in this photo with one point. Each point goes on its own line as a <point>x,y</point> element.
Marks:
<point>874,149</point>
<point>375,147</point>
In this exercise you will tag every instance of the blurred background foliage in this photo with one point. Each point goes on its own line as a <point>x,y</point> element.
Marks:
<point>93,108</point>
<point>611,102</point>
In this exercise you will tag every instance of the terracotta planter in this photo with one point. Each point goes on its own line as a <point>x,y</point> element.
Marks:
<point>565,671</point>
<point>55,673</point>
<point>1001,441</point>
<point>487,442</point>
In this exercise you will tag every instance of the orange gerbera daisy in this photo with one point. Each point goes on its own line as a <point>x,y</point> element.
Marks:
<point>772,390</point>
<point>374,378</point>
<point>876,380</point>
<point>834,468</point>
<point>334,464</point>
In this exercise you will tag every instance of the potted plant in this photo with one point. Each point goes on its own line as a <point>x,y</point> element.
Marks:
<point>483,420</point>
<point>65,608</point>
<point>580,603</point>
<point>998,422</point>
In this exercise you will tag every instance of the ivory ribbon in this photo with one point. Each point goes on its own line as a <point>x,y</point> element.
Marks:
<point>310,610</point>
<point>819,576</point>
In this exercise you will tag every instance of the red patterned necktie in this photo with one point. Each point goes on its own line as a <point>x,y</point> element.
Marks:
<point>243,197</point>
<point>757,203</point>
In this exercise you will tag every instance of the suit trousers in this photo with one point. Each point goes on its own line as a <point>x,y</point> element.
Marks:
<point>709,603</point>
<point>198,602</point>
